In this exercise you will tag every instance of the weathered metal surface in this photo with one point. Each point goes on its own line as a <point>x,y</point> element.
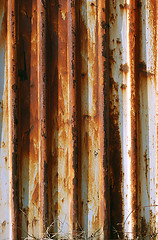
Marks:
<point>13,115</point>
<point>147,117</point>
<point>123,115</point>
<point>4,137</point>
<point>78,118</point>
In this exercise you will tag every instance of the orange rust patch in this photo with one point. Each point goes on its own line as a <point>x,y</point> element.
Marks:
<point>35,195</point>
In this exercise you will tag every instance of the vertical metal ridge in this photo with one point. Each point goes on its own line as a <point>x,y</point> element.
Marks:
<point>78,105</point>
<point>133,31</point>
<point>49,108</point>
<point>90,146</point>
<point>122,116</point>
<point>13,115</point>
<point>43,113</point>
<point>147,118</point>
<point>126,130</point>
<point>29,216</point>
<point>73,141</point>
<point>117,58</point>
<point>103,102</point>
<point>4,138</point>
<point>65,207</point>
<point>53,22</point>
<point>83,95</point>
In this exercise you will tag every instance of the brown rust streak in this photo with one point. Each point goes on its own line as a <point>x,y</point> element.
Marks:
<point>73,112</point>
<point>32,109</point>
<point>63,123</point>
<point>13,114</point>
<point>49,71</point>
<point>115,175</point>
<point>27,127</point>
<point>43,112</point>
<point>146,162</point>
<point>133,30</point>
<point>103,74</point>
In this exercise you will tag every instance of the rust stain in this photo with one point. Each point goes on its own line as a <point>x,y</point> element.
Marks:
<point>114,84</point>
<point>3,226</point>
<point>115,164</point>
<point>146,161</point>
<point>144,227</point>
<point>124,6</point>
<point>124,68</point>
<point>123,86</point>
<point>118,41</point>
<point>146,165</point>
<point>111,58</point>
<point>133,47</point>
<point>143,69</point>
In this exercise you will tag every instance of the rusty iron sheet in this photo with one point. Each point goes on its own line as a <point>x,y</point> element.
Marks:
<point>78,118</point>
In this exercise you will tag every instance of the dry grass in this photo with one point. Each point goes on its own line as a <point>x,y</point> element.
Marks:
<point>141,233</point>
<point>81,234</point>
<point>72,235</point>
<point>151,236</point>
<point>49,234</point>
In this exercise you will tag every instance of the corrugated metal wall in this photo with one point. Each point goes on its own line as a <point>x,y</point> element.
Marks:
<point>78,118</point>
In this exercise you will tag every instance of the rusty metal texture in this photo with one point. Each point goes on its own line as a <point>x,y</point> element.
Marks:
<point>78,118</point>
